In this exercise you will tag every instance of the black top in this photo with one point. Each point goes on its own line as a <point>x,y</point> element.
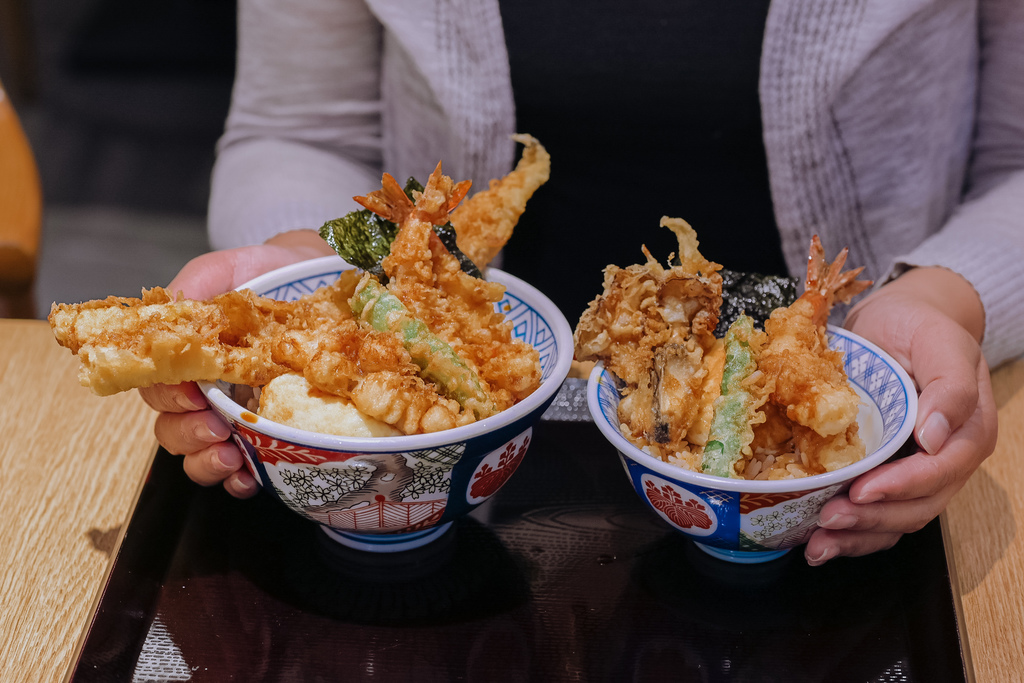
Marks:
<point>648,109</point>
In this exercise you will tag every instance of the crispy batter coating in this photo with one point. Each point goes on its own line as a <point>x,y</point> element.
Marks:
<point>239,337</point>
<point>810,379</point>
<point>458,307</point>
<point>126,343</point>
<point>484,222</point>
<point>652,327</point>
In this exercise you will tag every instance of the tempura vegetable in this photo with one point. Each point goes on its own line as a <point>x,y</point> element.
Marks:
<point>736,409</point>
<point>437,360</point>
<point>425,349</point>
<point>760,404</point>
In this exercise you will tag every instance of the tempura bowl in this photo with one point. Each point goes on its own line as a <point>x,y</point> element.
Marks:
<point>756,521</point>
<point>395,493</point>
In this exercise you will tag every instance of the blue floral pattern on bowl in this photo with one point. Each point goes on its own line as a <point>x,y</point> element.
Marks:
<point>393,493</point>
<point>753,521</point>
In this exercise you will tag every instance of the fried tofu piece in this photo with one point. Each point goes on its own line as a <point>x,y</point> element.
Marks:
<point>291,400</point>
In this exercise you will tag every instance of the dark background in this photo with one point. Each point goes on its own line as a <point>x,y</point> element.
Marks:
<point>123,103</point>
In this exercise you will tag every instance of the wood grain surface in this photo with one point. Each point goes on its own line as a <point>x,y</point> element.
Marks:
<point>71,466</point>
<point>985,524</point>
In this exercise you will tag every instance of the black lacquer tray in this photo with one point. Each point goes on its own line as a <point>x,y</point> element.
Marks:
<point>563,576</point>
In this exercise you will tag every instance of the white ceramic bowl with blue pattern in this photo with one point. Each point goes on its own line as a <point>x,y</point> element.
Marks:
<point>396,493</point>
<point>756,521</point>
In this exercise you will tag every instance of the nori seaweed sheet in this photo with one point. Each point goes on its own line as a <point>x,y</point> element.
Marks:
<point>364,239</point>
<point>753,294</point>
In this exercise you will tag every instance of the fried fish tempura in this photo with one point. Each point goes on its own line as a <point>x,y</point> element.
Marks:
<point>484,222</point>
<point>652,327</point>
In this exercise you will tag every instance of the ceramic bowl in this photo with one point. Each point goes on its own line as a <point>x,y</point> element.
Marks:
<point>395,493</point>
<point>756,521</point>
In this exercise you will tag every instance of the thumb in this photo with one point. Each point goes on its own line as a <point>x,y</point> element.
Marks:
<point>945,360</point>
<point>220,271</point>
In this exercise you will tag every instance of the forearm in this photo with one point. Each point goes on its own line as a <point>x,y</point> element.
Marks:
<point>303,134</point>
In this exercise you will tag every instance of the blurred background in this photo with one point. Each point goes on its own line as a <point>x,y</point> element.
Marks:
<point>122,103</point>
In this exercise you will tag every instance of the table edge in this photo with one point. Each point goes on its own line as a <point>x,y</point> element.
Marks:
<point>97,598</point>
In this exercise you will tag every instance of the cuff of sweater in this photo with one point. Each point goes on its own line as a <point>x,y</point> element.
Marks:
<point>986,264</point>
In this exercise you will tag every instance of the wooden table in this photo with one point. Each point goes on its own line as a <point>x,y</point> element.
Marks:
<point>71,466</point>
<point>985,522</point>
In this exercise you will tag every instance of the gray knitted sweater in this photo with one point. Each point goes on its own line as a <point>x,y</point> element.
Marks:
<point>895,127</point>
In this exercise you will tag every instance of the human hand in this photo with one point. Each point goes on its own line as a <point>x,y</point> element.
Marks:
<point>931,321</point>
<point>186,425</point>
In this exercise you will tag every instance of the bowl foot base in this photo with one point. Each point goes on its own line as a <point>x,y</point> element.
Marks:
<point>742,556</point>
<point>385,543</point>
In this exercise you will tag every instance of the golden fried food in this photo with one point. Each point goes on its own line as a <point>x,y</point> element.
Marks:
<point>759,405</point>
<point>127,343</point>
<point>456,306</point>
<point>409,355</point>
<point>291,400</point>
<point>484,222</point>
<point>810,380</point>
<point>652,327</point>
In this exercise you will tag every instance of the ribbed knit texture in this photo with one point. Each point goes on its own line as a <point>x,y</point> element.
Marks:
<point>877,121</point>
<point>447,91</point>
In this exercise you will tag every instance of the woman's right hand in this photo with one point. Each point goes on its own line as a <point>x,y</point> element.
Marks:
<point>186,425</point>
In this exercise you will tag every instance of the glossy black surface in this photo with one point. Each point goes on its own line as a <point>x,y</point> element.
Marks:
<point>563,576</point>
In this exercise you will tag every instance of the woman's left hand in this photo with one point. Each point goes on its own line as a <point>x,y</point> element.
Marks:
<point>931,321</point>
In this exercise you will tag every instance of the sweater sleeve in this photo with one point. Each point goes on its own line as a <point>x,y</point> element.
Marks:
<point>303,134</point>
<point>984,238</point>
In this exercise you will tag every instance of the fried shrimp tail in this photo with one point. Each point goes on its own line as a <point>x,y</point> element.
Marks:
<point>826,282</point>
<point>810,381</point>
<point>484,222</point>
<point>439,198</point>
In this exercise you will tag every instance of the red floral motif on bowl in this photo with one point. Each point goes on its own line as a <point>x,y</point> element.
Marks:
<point>497,467</point>
<point>686,514</point>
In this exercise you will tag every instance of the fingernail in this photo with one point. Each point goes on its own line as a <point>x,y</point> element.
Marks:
<point>241,486</point>
<point>203,432</point>
<point>228,459</point>
<point>934,433</point>
<point>825,556</point>
<point>185,403</point>
<point>838,521</point>
<point>869,497</point>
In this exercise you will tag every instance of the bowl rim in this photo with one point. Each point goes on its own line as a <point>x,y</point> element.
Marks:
<point>804,484</point>
<point>407,442</point>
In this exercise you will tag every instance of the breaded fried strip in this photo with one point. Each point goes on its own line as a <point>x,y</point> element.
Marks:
<point>127,343</point>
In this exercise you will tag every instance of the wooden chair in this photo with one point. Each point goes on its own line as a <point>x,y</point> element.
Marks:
<point>21,209</point>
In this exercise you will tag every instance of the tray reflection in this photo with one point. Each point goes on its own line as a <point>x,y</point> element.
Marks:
<point>563,576</point>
